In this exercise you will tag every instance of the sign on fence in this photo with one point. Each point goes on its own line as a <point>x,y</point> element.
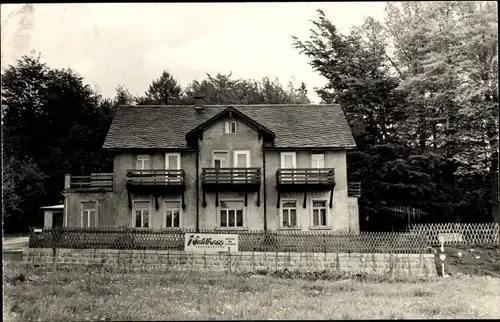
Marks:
<point>200,243</point>
<point>451,237</point>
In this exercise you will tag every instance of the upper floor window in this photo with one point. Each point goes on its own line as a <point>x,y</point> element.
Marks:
<point>288,160</point>
<point>230,126</point>
<point>318,160</point>
<point>88,215</point>
<point>220,159</point>
<point>142,162</point>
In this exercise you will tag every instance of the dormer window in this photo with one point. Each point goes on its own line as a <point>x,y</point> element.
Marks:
<point>230,127</point>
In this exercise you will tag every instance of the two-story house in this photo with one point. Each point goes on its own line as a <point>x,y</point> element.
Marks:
<point>241,167</point>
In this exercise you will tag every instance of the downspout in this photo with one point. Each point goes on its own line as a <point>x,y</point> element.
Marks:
<point>265,195</point>
<point>197,191</point>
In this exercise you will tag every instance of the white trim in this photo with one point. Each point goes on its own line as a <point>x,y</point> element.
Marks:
<point>228,127</point>
<point>294,156</point>
<point>221,151</point>
<point>296,212</point>
<point>315,158</point>
<point>142,220</point>
<point>164,219</point>
<point>246,152</point>
<point>218,209</point>
<point>167,165</point>
<point>96,205</point>
<point>327,212</point>
<point>142,158</point>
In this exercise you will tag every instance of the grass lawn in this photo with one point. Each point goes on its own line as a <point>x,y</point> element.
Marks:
<point>85,294</point>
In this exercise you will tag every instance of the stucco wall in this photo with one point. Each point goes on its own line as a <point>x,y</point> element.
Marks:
<point>338,218</point>
<point>114,210</point>
<point>107,216</point>
<point>215,139</point>
<point>47,222</point>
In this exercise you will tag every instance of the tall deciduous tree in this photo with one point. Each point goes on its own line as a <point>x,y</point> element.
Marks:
<point>53,124</point>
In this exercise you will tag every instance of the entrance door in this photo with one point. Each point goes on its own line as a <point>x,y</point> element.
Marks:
<point>173,162</point>
<point>57,219</point>
<point>241,160</point>
<point>288,161</point>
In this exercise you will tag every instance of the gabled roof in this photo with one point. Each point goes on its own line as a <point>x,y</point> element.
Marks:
<point>166,126</point>
<point>231,112</point>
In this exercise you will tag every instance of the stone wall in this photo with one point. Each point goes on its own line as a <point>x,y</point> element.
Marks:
<point>400,265</point>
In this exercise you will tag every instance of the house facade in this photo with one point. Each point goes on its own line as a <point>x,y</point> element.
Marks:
<point>240,167</point>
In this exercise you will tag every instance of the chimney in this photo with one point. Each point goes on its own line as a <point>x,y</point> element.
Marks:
<point>198,102</point>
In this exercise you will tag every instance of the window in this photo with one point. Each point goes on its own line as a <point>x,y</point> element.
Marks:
<point>318,160</point>
<point>220,159</point>
<point>88,216</point>
<point>142,162</point>
<point>319,213</point>
<point>173,162</point>
<point>241,159</point>
<point>141,214</point>
<point>288,160</point>
<point>172,212</point>
<point>230,127</point>
<point>231,214</point>
<point>289,213</point>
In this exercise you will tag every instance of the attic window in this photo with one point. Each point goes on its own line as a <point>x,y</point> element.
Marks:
<point>230,127</point>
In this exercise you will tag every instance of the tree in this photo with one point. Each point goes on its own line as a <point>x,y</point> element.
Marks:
<point>123,96</point>
<point>222,89</point>
<point>163,91</point>
<point>419,92</point>
<point>359,79</point>
<point>53,124</point>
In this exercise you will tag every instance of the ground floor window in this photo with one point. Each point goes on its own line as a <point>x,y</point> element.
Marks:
<point>319,213</point>
<point>172,214</point>
<point>289,213</point>
<point>231,213</point>
<point>88,215</point>
<point>141,214</point>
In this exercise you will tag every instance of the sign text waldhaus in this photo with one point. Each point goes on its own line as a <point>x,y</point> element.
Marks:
<point>201,243</point>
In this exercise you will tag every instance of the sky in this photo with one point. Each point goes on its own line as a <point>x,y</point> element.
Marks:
<point>131,44</point>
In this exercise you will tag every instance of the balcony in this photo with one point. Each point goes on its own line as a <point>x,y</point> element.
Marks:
<point>354,189</point>
<point>305,179</point>
<point>96,182</point>
<point>155,181</point>
<point>230,179</point>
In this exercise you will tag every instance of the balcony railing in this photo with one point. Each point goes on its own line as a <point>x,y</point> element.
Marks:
<point>354,189</point>
<point>94,182</point>
<point>230,177</point>
<point>305,177</point>
<point>155,177</point>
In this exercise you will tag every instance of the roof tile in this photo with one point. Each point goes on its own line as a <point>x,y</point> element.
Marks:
<point>295,126</point>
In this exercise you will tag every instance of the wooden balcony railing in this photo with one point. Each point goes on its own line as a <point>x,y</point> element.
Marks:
<point>305,177</point>
<point>354,189</point>
<point>94,182</point>
<point>230,176</point>
<point>155,177</point>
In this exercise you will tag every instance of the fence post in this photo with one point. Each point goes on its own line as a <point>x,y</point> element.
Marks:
<point>391,266</point>
<point>229,256</point>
